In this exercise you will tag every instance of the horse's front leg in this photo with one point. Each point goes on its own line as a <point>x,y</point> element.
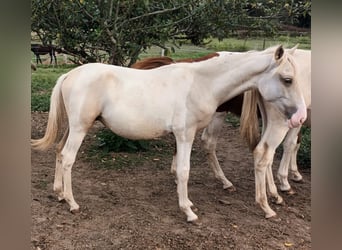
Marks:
<point>184,143</point>
<point>209,138</point>
<point>263,159</point>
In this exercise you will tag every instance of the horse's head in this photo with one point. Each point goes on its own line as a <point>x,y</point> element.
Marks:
<point>279,85</point>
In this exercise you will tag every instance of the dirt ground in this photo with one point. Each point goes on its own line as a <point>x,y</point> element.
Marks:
<point>136,207</point>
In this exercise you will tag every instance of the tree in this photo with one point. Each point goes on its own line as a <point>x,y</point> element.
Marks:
<point>118,29</point>
<point>121,29</point>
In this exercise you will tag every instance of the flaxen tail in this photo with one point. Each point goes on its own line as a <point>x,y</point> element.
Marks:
<point>56,115</point>
<point>249,124</point>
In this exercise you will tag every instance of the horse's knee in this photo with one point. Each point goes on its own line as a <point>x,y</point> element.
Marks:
<point>182,175</point>
<point>205,139</point>
<point>263,155</point>
<point>290,145</point>
<point>67,161</point>
<point>209,144</point>
<point>258,151</point>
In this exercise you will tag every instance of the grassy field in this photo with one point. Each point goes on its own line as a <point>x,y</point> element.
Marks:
<point>230,44</point>
<point>42,82</point>
<point>45,78</point>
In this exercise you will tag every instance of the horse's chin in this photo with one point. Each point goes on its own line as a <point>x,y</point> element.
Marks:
<point>293,124</point>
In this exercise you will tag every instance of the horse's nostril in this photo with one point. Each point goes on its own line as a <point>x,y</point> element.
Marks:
<point>290,111</point>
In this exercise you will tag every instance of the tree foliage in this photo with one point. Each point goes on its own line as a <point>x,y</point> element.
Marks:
<point>121,29</point>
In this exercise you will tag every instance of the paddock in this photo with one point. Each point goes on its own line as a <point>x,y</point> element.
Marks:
<point>135,207</point>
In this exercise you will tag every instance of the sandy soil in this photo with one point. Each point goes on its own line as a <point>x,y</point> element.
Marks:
<point>136,207</point>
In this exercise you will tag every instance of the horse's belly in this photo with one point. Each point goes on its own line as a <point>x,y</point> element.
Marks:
<point>136,126</point>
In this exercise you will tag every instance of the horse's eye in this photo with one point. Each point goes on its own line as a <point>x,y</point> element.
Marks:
<point>287,81</point>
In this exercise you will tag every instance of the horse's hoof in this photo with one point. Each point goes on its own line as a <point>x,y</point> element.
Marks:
<point>298,180</point>
<point>196,222</point>
<point>289,192</point>
<point>230,189</point>
<point>60,199</point>
<point>278,200</point>
<point>75,210</point>
<point>274,218</point>
<point>271,215</point>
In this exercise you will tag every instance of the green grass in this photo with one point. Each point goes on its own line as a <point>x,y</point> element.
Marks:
<point>185,51</point>
<point>234,44</point>
<point>233,120</point>
<point>229,44</point>
<point>241,45</point>
<point>42,82</point>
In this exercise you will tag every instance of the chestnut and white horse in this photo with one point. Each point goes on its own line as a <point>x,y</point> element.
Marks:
<point>245,105</point>
<point>178,98</point>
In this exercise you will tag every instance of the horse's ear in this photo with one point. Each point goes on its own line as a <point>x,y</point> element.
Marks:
<point>279,52</point>
<point>291,51</point>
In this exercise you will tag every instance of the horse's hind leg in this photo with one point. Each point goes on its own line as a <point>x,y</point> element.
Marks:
<point>67,158</point>
<point>54,55</point>
<point>58,182</point>
<point>51,57</point>
<point>294,173</point>
<point>39,59</point>
<point>289,157</point>
<point>209,138</point>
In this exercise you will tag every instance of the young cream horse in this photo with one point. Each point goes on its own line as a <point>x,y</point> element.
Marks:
<point>178,98</point>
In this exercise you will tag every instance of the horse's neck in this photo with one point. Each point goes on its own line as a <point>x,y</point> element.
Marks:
<point>231,74</point>
<point>303,59</point>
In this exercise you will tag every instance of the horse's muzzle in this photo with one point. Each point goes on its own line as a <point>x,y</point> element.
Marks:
<point>296,117</point>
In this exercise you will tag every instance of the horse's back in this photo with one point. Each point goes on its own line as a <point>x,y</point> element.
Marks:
<point>136,104</point>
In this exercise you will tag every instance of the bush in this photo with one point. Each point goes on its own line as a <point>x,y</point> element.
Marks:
<point>304,152</point>
<point>40,102</point>
<point>110,142</point>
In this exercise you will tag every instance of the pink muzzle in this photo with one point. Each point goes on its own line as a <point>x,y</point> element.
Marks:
<point>298,118</point>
